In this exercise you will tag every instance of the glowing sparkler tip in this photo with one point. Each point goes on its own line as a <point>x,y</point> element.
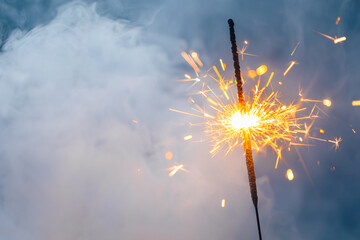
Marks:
<point>239,121</point>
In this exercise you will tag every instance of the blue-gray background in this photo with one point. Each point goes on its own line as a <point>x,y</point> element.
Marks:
<point>73,76</point>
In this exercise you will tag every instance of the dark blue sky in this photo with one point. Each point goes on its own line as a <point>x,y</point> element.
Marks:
<point>74,75</point>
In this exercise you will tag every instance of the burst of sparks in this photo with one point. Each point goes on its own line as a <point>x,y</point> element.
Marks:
<point>264,117</point>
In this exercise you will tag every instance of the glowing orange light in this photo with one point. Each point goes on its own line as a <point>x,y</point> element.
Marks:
<point>322,131</point>
<point>195,56</point>
<point>174,169</point>
<point>290,175</point>
<point>223,202</point>
<point>168,155</point>
<point>134,121</point>
<point>338,20</point>
<point>188,137</point>
<point>261,70</point>
<point>239,121</point>
<point>327,102</point>
<point>251,74</point>
<point>290,66</point>
<point>356,103</point>
<point>338,40</point>
<point>191,62</point>
<point>264,118</point>
<point>295,48</point>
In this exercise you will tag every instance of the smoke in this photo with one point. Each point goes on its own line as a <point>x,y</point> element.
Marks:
<point>74,165</point>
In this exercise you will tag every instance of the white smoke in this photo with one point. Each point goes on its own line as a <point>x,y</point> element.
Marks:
<point>70,152</point>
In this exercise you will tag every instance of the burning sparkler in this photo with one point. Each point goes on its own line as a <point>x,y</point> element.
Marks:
<point>243,120</point>
<point>256,119</point>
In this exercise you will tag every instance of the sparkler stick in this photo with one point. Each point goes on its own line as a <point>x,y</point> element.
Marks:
<point>246,136</point>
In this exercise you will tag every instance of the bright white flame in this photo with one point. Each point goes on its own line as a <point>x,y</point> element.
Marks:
<point>239,121</point>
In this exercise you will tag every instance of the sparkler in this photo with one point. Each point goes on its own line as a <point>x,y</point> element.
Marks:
<point>256,119</point>
<point>249,120</point>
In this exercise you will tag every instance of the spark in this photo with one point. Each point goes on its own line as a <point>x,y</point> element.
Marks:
<point>295,48</point>
<point>321,131</point>
<point>337,20</point>
<point>264,117</point>
<point>134,121</point>
<point>336,142</point>
<point>271,76</point>
<point>356,103</point>
<point>188,137</point>
<point>243,49</point>
<point>168,155</point>
<point>174,169</point>
<point>335,39</point>
<point>326,102</point>
<point>261,70</point>
<point>290,66</point>
<point>191,62</point>
<point>290,175</point>
<point>223,65</point>
<point>223,202</point>
<point>195,56</point>
<point>338,40</point>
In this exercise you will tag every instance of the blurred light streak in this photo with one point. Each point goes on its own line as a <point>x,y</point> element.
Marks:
<point>295,48</point>
<point>290,66</point>
<point>356,103</point>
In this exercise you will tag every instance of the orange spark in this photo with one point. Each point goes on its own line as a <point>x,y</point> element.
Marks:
<point>336,142</point>
<point>134,121</point>
<point>188,137</point>
<point>334,39</point>
<point>289,174</point>
<point>271,76</point>
<point>290,66</point>
<point>174,169</point>
<point>356,103</point>
<point>168,155</point>
<point>261,70</point>
<point>223,202</point>
<point>195,56</point>
<point>338,40</point>
<point>223,65</point>
<point>190,62</point>
<point>337,20</point>
<point>295,48</point>
<point>327,102</point>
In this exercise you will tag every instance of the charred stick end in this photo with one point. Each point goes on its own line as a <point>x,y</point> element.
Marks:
<point>236,62</point>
